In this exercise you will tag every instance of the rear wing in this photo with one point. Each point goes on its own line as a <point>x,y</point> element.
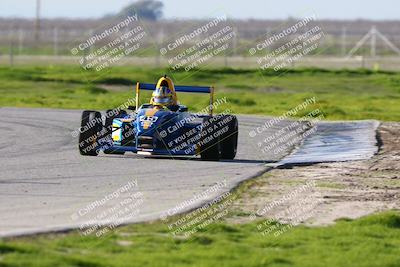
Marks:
<point>178,88</point>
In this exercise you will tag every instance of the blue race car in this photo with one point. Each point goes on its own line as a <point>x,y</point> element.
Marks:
<point>162,127</point>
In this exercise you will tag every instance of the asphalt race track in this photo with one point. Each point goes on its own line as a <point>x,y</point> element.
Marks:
<point>44,182</point>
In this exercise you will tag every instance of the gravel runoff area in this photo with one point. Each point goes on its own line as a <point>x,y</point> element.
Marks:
<point>320,193</point>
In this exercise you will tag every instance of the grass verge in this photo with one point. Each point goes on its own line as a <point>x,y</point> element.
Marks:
<point>340,94</point>
<point>370,241</point>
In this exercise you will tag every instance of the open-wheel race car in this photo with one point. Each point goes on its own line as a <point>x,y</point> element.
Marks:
<point>162,127</point>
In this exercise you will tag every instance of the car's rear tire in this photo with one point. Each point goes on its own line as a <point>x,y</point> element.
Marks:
<point>108,126</point>
<point>91,126</point>
<point>209,148</point>
<point>229,141</point>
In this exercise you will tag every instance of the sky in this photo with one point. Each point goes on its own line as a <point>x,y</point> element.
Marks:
<point>259,9</point>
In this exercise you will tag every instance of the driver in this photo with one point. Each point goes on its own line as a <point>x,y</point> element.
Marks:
<point>164,97</point>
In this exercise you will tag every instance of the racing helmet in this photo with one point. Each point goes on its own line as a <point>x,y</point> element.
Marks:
<point>162,96</point>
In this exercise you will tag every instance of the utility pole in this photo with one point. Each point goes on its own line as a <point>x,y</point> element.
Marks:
<point>55,41</point>
<point>37,23</point>
<point>373,41</point>
<point>12,53</point>
<point>235,40</point>
<point>11,47</point>
<point>20,41</point>
<point>344,37</point>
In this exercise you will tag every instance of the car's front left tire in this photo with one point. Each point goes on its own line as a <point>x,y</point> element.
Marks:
<point>91,127</point>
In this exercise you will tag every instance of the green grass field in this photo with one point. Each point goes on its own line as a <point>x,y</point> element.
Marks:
<point>342,94</point>
<point>369,241</point>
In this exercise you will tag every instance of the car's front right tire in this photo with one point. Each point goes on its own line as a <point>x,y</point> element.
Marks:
<point>209,147</point>
<point>229,141</point>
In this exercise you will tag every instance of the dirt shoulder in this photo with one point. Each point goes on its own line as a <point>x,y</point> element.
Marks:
<point>319,194</point>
